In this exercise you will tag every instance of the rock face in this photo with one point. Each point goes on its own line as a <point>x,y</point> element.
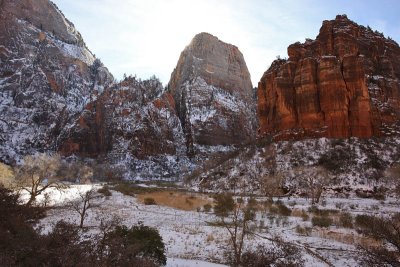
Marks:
<point>213,93</point>
<point>47,76</point>
<point>133,122</point>
<point>345,83</point>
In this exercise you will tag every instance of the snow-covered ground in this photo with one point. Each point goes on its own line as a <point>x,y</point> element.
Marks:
<point>191,241</point>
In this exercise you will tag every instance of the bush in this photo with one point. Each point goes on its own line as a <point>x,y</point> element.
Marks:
<point>362,221</point>
<point>281,254</point>
<point>273,209</point>
<point>139,241</point>
<point>207,208</point>
<point>149,201</point>
<point>322,221</point>
<point>224,204</point>
<point>303,230</point>
<point>284,210</point>
<point>320,212</point>
<point>346,220</point>
<point>304,215</point>
<point>105,191</point>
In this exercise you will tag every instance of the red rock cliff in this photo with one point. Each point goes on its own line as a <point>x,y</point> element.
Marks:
<point>345,83</point>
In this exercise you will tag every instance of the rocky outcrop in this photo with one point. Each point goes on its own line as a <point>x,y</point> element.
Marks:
<point>344,83</point>
<point>134,117</point>
<point>47,77</point>
<point>212,90</point>
<point>132,124</point>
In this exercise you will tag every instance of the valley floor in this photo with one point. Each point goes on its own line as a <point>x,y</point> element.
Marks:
<point>192,239</point>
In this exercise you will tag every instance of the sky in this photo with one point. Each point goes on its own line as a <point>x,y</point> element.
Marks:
<point>146,37</point>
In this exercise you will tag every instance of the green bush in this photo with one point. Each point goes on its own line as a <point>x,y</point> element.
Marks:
<point>322,221</point>
<point>149,201</point>
<point>139,241</point>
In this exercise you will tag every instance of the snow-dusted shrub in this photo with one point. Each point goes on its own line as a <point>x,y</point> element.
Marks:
<point>279,254</point>
<point>322,221</point>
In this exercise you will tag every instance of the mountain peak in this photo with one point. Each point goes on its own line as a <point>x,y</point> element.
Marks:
<point>207,70</point>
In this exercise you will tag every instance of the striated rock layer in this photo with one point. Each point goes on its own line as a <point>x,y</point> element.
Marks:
<point>213,93</point>
<point>344,83</point>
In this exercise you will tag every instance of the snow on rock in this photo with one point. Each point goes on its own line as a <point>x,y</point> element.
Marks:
<point>46,78</point>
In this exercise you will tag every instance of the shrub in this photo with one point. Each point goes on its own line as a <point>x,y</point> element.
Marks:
<point>207,207</point>
<point>139,241</point>
<point>224,204</point>
<point>273,209</point>
<point>280,254</point>
<point>284,210</point>
<point>303,230</point>
<point>320,212</point>
<point>149,201</point>
<point>322,221</point>
<point>105,191</point>
<point>304,215</point>
<point>346,220</point>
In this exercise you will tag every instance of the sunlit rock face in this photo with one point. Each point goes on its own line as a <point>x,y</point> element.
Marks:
<point>213,93</point>
<point>344,83</point>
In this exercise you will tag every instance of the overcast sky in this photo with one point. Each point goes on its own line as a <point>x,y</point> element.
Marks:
<point>146,37</point>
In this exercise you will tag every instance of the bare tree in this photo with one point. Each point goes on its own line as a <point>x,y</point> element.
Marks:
<point>76,172</point>
<point>271,185</point>
<point>313,180</point>
<point>38,173</point>
<point>235,216</point>
<point>83,203</point>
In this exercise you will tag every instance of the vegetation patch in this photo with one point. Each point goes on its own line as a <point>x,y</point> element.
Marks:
<point>322,221</point>
<point>177,200</point>
<point>131,189</point>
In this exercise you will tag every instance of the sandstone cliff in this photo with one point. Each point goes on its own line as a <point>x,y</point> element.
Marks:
<point>213,93</point>
<point>344,83</point>
<point>132,124</point>
<point>47,76</point>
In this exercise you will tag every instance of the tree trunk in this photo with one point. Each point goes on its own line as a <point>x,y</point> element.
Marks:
<point>31,200</point>
<point>82,219</point>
